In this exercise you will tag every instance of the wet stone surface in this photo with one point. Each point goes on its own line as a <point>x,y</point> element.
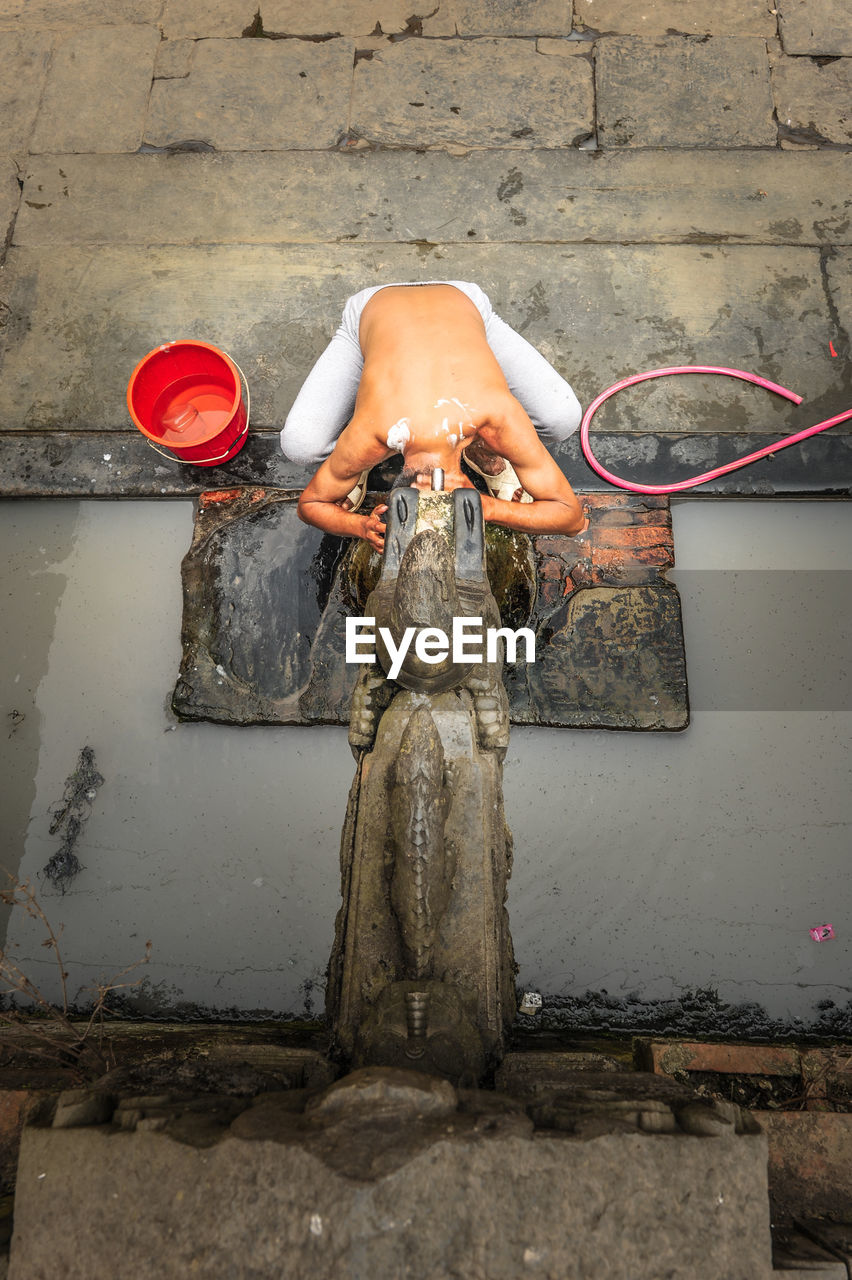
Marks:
<point>25,57</point>
<point>266,598</point>
<point>344,1188</point>
<point>455,95</point>
<point>668,17</point>
<point>110,68</point>
<point>595,311</point>
<point>684,93</point>
<point>255,95</point>
<point>822,28</point>
<point>813,100</point>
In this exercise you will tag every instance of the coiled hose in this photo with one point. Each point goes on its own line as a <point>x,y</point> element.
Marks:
<point>717,471</point>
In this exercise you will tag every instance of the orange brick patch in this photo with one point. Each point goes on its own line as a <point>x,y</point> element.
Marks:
<point>816,1068</point>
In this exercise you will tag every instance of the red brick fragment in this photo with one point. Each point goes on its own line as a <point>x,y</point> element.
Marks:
<point>666,1056</point>
<point>218,495</point>
<point>629,536</point>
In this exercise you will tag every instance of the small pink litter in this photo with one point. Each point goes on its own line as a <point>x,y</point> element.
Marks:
<point>822,933</point>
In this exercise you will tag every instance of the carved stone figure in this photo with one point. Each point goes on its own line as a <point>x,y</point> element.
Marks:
<point>422,971</point>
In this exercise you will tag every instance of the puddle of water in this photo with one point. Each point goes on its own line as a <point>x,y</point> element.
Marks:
<point>644,863</point>
<point>37,539</point>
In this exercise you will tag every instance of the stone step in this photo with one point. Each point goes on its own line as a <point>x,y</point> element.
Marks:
<point>389,1173</point>
<point>427,198</point>
<point>83,316</point>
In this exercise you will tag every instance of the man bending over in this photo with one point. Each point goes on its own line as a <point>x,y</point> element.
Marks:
<point>429,371</point>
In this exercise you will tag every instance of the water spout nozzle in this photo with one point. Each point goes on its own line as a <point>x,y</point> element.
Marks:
<point>438,480</point>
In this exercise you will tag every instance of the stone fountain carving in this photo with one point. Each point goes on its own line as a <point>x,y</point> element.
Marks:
<point>422,970</point>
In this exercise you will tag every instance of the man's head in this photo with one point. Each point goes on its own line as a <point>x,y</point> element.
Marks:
<point>417,473</point>
<point>415,477</point>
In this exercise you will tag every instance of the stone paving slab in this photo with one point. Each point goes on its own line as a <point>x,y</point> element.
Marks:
<point>76,13</point>
<point>564,196</point>
<point>464,1198</point>
<point>498,18</point>
<point>815,28</point>
<point>438,18</point>
<point>665,17</point>
<point>479,93</point>
<point>83,316</point>
<point>337,17</point>
<point>815,102</point>
<point>684,93</point>
<point>97,90</point>
<point>24,56</point>
<point>197,19</point>
<point>253,95</point>
<point>174,59</point>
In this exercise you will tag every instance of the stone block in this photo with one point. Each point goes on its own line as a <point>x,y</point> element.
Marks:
<point>684,93</point>
<point>336,17</point>
<point>528,1074</point>
<point>597,312</point>
<point>339,1196</point>
<point>361,18</point>
<point>206,19</point>
<point>499,18</point>
<point>78,1107</point>
<point>76,14</point>
<point>106,73</point>
<point>25,56</point>
<point>816,29</point>
<point>382,1094</point>
<point>174,59</point>
<point>390,196</point>
<point>255,95</point>
<point>812,101</point>
<point>481,93</point>
<point>668,17</point>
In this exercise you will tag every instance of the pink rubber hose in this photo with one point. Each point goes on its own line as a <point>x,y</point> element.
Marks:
<point>717,471</point>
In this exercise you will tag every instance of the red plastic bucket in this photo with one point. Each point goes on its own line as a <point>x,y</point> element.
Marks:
<point>188,396</point>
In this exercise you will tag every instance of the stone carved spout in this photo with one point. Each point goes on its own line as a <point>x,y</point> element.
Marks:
<point>424,862</point>
<point>422,967</point>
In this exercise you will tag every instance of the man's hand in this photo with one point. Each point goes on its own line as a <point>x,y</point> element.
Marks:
<point>374,528</point>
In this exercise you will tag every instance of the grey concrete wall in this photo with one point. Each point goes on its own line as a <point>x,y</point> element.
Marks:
<point>645,865</point>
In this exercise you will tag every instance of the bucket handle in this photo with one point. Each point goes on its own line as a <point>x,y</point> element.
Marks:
<point>188,461</point>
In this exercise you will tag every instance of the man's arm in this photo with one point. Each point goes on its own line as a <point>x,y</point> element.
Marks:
<point>555,507</point>
<point>335,478</point>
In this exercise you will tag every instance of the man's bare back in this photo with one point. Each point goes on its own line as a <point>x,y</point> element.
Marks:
<point>430,389</point>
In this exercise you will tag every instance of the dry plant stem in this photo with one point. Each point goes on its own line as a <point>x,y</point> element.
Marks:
<point>87,1054</point>
<point>815,1085</point>
<point>22,894</point>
